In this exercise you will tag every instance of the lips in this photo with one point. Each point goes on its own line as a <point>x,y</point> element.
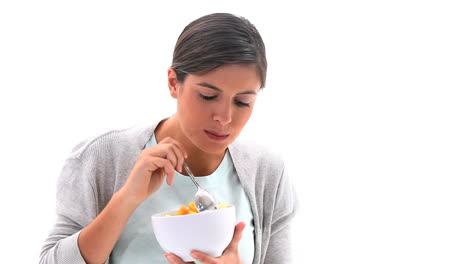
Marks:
<point>215,135</point>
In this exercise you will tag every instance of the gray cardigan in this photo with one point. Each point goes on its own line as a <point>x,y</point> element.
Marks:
<point>99,167</point>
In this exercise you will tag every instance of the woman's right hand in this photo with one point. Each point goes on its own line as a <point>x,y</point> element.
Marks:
<point>152,166</point>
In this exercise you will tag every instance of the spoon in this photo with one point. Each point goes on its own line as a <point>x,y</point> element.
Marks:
<point>203,199</point>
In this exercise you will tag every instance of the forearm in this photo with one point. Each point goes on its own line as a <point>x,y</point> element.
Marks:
<point>99,237</point>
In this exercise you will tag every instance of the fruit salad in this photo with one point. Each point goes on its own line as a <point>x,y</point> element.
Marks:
<point>192,209</point>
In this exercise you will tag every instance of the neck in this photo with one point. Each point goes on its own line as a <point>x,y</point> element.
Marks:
<point>200,162</point>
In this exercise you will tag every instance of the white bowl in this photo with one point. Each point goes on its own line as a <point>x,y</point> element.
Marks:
<point>209,232</point>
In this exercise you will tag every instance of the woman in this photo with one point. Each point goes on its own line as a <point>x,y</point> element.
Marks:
<point>110,185</point>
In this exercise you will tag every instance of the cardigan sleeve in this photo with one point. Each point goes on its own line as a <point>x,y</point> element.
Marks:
<point>279,246</point>
<point>76,207</point>
<point>279,249</point>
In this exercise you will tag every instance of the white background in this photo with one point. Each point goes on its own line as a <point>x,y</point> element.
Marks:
<point>366,101</point>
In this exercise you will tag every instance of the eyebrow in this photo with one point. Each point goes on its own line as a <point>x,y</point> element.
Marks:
<point>207,85</point>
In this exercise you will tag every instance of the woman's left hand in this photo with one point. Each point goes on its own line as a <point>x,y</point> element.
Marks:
<point>230,254</point>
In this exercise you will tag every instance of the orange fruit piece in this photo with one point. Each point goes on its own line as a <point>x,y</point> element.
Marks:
<point>192,207</point>
<point>182,210</point>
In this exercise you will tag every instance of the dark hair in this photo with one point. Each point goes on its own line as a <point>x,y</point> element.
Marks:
<point>215,40</point>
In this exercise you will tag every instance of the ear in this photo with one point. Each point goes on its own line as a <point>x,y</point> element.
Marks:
<point>172,82</point>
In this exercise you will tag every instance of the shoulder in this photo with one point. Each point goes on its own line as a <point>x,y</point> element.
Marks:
<point>100,164</point>
<point>113,142</point>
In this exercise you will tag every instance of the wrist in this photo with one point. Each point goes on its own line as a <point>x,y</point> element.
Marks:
<point>125,200</point>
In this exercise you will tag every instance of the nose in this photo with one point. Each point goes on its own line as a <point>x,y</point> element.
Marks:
<point>223,114</point>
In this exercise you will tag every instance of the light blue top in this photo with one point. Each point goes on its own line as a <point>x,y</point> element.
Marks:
<point>137,243</point>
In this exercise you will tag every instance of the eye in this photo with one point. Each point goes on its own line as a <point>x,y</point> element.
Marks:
<point>208,98</point>
<point>241,104</point>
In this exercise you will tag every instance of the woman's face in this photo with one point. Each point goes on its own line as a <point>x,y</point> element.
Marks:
<point>213,108</point>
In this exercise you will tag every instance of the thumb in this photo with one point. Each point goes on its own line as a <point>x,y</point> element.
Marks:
<point>237,236</point>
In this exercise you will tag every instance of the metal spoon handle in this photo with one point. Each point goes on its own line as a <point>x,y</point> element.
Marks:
<point>187,169</point>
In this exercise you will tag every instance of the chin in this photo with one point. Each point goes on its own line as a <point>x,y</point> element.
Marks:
<point>213,147</point>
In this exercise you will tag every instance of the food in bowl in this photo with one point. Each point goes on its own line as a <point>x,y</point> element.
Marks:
<point>192,209</point>
<point>209,231</point>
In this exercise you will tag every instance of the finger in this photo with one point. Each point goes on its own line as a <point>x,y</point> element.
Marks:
<point>177,143</point>
<point>180,157</point>
<point>180,150</point>
<point>166,165</point>
<point>202,257</point>
<point>237,236</point>
<point>169,260</point>
<point>173,259</point>
<point>171,150</point>
<point>174,156</point>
